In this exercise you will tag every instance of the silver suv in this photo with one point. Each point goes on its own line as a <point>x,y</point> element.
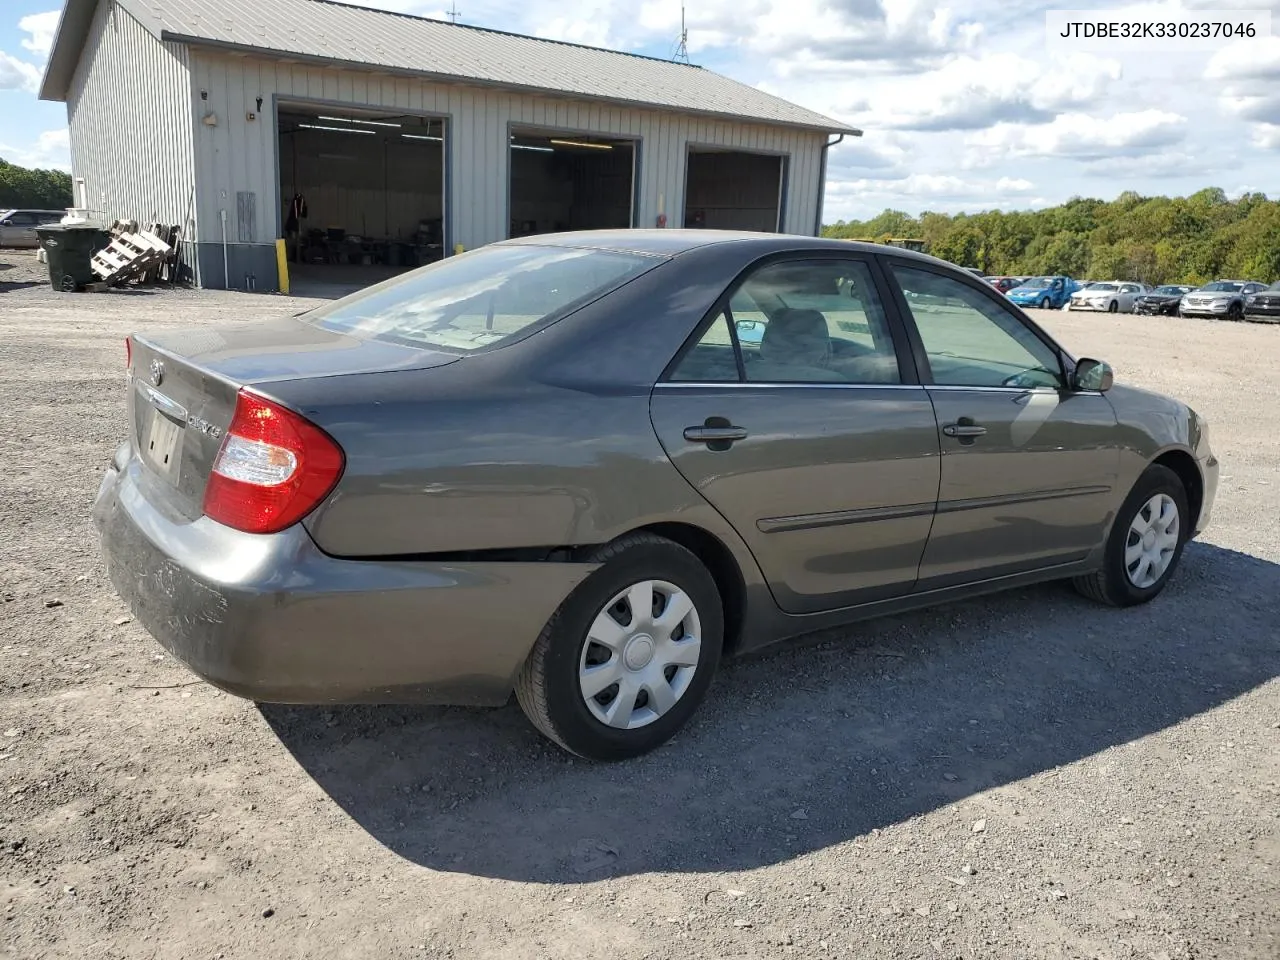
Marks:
<point>18,227</point>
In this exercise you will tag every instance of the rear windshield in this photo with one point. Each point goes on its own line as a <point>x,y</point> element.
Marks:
<point>482,298</point>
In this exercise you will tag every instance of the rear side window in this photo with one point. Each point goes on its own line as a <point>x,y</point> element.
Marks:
<point>483,298</point>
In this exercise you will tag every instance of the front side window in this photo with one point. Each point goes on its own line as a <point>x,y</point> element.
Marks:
<point>482,298</point>
<point>972,341</point>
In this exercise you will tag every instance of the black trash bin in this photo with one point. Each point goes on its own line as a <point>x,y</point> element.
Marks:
<point>70,248</point>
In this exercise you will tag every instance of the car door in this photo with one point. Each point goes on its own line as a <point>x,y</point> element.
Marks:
<point>795,410</point>
<point>1028,467</point>
<point>1129,294</point>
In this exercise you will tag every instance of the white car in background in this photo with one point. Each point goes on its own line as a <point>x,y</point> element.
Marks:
<point>1107,297</point>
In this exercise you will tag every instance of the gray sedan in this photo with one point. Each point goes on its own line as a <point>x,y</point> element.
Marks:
<point>586,467</point>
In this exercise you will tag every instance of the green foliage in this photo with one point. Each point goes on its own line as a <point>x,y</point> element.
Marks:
<point>1150,239</point>
<point>38,189</point>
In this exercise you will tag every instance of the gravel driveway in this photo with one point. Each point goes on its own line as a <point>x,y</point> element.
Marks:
<point>1022,776</point>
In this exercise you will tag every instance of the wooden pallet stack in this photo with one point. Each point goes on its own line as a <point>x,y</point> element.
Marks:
<point>144,255</point>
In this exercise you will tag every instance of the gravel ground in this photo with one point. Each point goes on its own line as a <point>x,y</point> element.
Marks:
<point>1026,775</point>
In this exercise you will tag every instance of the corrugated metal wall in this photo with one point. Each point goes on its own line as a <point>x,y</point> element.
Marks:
<point>129,109</point>
<point>240,154</point>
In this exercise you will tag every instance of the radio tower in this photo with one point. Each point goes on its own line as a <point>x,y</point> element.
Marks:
<point>453,13</point>
<point>682,51</point>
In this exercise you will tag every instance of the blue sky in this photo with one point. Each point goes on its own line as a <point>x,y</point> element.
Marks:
<point>963,106</point>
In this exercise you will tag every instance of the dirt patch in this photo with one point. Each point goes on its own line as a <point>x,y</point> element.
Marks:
<point>1026,775</point>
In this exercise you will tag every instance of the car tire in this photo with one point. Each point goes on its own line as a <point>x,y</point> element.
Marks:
<point>1113,307</point>
<point>1123,581</point>
<point>1235,312</point>
<point>1046,304</point>
<point>550,685</point>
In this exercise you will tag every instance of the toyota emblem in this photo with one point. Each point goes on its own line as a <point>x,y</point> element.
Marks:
<point>157,372</point>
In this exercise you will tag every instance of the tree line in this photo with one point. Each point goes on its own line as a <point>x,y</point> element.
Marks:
<point>1154,240</point>
<point>37,189</point>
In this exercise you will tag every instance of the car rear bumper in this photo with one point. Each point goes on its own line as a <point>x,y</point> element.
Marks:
<point>274,619</point>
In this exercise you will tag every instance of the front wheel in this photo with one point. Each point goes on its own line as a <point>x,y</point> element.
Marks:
<point>1235,312</point>
<point>1114,307</point>
<point>1145,543</point>
<point>628,657</point>
<point>1046,304</point>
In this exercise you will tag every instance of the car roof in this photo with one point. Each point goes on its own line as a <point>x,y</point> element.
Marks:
<point>671,243</point>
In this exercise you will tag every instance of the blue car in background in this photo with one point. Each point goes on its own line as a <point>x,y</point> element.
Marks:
<point>1047,293</point>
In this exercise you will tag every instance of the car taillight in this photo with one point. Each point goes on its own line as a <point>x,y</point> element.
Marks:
<point>128,352</point>
<point>273,468</point>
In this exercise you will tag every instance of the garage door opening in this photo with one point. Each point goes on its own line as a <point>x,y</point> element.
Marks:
<point>570,182</point>
<point>731,190</point>
<point>362,195</point>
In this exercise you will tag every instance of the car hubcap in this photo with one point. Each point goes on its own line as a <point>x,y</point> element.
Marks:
<point>640,655</point>
<point>1152,540</point>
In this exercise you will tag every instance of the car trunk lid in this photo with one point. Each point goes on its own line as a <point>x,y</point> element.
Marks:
<point>183,387</point>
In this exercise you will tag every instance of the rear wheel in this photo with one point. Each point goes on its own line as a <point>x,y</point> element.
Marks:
<point>1145,544</point>
<point>627,658</point>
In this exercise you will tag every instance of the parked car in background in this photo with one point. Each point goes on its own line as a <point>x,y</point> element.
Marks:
<point>1047,293</point>
<point>1263,306</point>
<point>1161,300</point>
<point>1005,284</point>
<point>18,227</point>
<point>548,465</point>
<point>1108,297</point>
<point>1221,298</point>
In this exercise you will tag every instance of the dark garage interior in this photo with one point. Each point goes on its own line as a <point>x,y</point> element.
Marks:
<point>362,193</point>
<point>733,190</point>
<point>570,182</point>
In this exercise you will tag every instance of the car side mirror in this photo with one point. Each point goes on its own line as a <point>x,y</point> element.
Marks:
<point>1092,375</point>
<point>750,331</point>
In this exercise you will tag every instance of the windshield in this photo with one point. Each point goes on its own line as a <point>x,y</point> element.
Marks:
<point>1222,287</point>
<point>1036,283</point>
<point>1169,291</point>
<point>482,298</point>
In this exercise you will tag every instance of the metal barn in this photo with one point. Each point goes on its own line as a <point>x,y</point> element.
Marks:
<point>373,142</point>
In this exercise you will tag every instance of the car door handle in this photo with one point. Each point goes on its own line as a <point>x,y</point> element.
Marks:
<point>964,430</point>
<point>714,434</point>
<point>717,433</point>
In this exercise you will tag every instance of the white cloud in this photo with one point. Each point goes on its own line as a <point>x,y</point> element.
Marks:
<point>972,92</point>
<point>51,151</point>
<point>816,31</point>
<point>1267,136</point>
<point>1084,137</point>
<point>41,27</point>
<point>17,74</point>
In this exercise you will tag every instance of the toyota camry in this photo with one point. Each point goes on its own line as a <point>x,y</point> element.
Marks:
<point>585,468</point>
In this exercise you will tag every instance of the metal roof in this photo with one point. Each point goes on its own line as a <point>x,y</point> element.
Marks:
<point>337,33</point>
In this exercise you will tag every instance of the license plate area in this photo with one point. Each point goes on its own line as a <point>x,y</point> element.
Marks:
<point>162,443</point>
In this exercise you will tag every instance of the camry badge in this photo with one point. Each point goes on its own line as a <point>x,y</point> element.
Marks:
<point>157,372</point>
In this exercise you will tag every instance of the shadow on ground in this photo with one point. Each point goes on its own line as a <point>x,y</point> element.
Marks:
<point>899,717</point>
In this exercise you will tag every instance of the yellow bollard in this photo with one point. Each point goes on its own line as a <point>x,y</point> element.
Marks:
<point>282,266</point>
<point>458,248</point>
